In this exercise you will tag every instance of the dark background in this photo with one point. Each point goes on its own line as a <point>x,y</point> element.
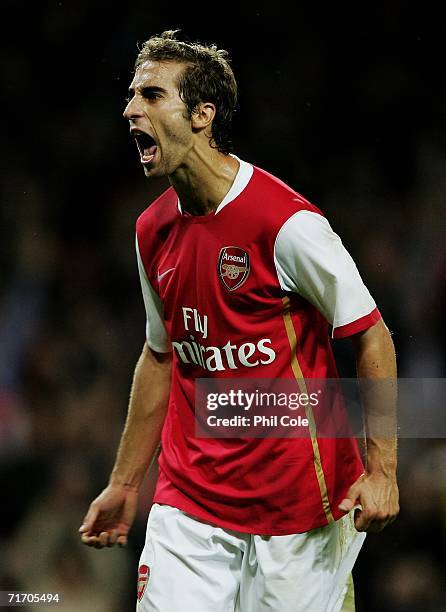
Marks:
<point>347,105</point>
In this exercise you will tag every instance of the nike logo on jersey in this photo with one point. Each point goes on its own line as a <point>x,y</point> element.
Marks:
<point>163,274</point>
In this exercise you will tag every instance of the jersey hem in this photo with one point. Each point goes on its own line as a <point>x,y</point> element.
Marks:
<point>157,348</point>
<point>357,326</point>
<point>254,530</point>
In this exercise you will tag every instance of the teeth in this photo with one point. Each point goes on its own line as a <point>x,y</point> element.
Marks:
<point>138,144</point>
<point>146,146</point>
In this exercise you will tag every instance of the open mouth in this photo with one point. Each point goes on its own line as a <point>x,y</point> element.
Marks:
<point>147,146</point>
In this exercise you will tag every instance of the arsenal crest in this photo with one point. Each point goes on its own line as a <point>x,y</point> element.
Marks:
<point>143,579</point>
<point>233,267</point>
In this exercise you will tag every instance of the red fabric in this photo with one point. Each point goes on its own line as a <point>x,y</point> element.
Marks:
<point>357,326</point>
<point>263,486</point>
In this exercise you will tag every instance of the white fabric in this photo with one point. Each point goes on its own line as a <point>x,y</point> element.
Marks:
<point>201,567</point>
<point>242,178</point>
<point>311,260</point>
<point>156,334</point>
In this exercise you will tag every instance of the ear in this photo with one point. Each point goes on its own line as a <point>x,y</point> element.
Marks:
<point>203,115</point>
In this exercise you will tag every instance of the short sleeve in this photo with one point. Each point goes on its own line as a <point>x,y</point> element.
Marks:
<point>311,260</point>
<point>156,334</point>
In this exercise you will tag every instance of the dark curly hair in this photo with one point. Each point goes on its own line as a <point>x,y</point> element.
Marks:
<point>207,77</point>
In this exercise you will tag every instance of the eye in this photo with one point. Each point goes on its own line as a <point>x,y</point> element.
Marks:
<point>150,94</point>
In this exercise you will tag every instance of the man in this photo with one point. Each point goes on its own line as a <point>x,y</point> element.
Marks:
<point>241,277</point>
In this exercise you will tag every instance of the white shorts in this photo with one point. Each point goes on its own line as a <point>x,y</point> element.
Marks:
<point>187,565</point>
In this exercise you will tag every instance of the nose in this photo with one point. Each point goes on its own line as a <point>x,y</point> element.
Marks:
<point>132,110</point>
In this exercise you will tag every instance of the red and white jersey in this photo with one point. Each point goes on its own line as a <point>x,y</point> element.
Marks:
<point>249,290</point>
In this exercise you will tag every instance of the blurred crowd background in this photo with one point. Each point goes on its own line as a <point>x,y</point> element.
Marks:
<point>347,105</point>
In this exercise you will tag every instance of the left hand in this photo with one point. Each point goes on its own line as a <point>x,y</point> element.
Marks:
<point>378,496</point>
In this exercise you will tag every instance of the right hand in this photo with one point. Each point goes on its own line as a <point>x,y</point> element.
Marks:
<point>110,517</point>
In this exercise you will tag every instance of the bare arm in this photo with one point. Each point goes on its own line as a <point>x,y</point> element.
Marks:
<point>377,489</point>
<point>111,514</point>
<point>145,418</point>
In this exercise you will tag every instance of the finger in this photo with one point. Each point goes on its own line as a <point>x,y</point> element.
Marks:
<point>362,520</point>
<point>376,526</point>
<point>103,538</point>
<point>89,519</point>
<point>121,540</point>
<point>351,499</point>
<point>378,519</point>
<point>346,505</point>
<point>89,540</point>
<point>112,537</point>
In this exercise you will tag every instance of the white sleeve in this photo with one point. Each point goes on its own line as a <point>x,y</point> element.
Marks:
<point>156,333</point>
<point>311,260</point>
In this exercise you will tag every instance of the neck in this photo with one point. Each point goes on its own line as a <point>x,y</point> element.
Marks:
<point>203,180</point>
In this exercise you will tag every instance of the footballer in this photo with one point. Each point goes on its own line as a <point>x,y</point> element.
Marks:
<point>241,277</point>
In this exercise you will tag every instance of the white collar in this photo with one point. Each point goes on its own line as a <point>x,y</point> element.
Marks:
<point>241,180</point>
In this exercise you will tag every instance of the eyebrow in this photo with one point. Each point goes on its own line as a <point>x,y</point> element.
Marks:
<point>147,89</point>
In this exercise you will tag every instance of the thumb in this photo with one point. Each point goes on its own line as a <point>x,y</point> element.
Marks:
<point>350,500</point>
<point>89,520</point>
<point>346,505</point>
